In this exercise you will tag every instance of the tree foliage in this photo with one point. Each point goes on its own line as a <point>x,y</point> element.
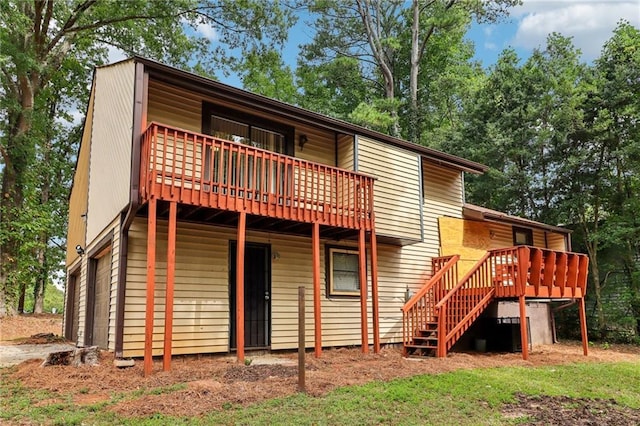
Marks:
<point>562,141</point>
<point>49,48</point>
<point>400,48</point>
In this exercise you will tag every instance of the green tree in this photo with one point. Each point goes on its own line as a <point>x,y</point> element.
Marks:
<point>48,50</point>
<point>267,75</point>
<point>390,41</point>
<point>610,165</point>
<point>518,122</point>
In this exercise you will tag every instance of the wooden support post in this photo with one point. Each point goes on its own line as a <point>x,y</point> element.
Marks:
<point>317,314</point>
<point>301,340</point>
<point>374,292</point>
<point>151,277</point>
<point>242,222</point>
<point>171,273</point>
<point>362,274</point>
<point>583,327</point>
<point>524,338</point>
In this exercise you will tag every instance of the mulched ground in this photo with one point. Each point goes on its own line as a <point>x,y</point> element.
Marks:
<point>16,329</point>
<point>563,410</point>
<point>212,382</point>
<point>207,383</point>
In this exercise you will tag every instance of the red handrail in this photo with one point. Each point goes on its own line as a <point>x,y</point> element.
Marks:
<point>418,310</point>
<point>462,304</point>
<point>192,168</point>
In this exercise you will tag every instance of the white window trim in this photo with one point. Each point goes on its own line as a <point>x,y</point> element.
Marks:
<point>331,290</point>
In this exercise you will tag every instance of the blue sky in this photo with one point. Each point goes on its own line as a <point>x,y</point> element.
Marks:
<point>589,22</point>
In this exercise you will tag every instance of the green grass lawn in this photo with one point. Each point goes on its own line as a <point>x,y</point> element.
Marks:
<point>464,397</point>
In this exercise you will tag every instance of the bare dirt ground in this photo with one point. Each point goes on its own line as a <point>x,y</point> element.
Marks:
<point>213,381</point>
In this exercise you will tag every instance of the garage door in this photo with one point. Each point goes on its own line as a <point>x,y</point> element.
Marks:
<point>101,305</point>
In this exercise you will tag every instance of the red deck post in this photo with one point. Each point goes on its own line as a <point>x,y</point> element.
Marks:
<point>524,338</point>
<point>583,327</point>
<point>362,269</point>
<point>317,315</point>
<point>171,273</point>
<point>151,276</point>
<point>374,292</point>
<point>242,222</point>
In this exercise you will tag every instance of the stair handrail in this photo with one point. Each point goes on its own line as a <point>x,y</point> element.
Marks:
<point>432,281</point>
<point>463,280</point>
<point>445,336</point>
<point>414,316</point>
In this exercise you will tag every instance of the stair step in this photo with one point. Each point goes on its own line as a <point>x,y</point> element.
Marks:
<point>421,346</point>
<point>431,325</point>
<point>426,338</point>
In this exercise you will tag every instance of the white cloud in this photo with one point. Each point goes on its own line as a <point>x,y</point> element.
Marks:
<point>488,30</point>
<point>590,23</point>
<point>207,31</point>
<point>490,46</point>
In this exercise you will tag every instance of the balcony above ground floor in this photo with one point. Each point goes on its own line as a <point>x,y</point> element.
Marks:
<point>207,172</point>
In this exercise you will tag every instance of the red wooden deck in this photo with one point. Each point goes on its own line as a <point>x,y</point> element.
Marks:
<point>439,314</point>
<point>196,169</point>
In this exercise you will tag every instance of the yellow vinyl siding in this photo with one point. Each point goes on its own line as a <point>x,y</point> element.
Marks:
<point>198,245</point>
<point>80,189</point>
<point>556,241</point>
<point>201,318</point>
<point>501,235</point>
<point>174,107</point>
<point>110,158</point>
<point>471,239</point>
<point>442,189</point>
<point>396,190</point>
<point>182,108</point>
<point>72,267</point>
<point>346,152</point>
<point>320,146</point>
<point>115,253</point>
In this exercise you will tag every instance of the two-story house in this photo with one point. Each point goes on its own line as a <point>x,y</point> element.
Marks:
<point>198,209</point>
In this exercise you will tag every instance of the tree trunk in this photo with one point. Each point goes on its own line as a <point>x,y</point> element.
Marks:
<point>9,207</point>
<point>21,296</point>
<point>41,279</point>
<point>414,131</point>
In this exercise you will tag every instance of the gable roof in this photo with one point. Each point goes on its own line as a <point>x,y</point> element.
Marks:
<point>473,212</point>
<point>196,82</point>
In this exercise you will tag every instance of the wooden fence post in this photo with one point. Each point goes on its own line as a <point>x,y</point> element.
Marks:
<point>301,341</point>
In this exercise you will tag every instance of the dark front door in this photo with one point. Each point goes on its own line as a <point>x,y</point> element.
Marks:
<point>257,295</point>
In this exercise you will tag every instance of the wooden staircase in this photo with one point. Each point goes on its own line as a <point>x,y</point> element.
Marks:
<point>439,314</point>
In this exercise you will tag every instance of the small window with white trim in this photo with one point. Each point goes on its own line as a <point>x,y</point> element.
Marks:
<point>522,236</point>
<point>342,271</point>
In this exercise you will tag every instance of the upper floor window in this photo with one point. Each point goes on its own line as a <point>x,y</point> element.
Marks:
<point>522,236</point>
<point>247,129</point>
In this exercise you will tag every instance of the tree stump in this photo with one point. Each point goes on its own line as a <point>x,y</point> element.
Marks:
<point>74,357</point>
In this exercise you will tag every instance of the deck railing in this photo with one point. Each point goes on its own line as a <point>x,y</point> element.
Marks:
<point>197,169</point>
<point>419,310</point>
<point>502,273</point>
<point>457,310</point>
